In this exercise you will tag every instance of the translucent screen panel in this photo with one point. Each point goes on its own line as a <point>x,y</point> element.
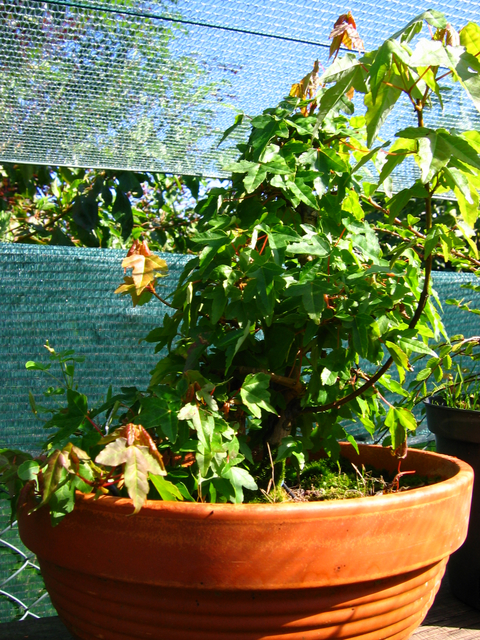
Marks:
<point>152,85</point>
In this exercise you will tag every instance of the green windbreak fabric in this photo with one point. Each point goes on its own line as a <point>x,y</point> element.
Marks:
<point>66,296</point>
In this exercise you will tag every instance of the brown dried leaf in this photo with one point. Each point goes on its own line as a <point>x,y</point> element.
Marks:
<point>350,93</point>
<point>449,36</point>
<point>308,86</point>
<point>345,34</point>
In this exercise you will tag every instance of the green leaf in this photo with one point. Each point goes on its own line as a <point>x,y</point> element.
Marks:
<point>238,121</point>
<point>265,279</point>
<point>367,157</point>
<point>360,338</point>
<point>167,490</point>
<point>382,64</point>
<point>397,432</point>
<point>409,344</point>
<point>68,421</point>
<point>392,385</point>
<point>240,336</point>
<point>437,147</point>
<point>201,421</point>
<point>261,136</point>
<point>288,447</point>
<point>314,245</point>
<point>434,18</point>
<point>328,377</point>
<point>468,67</point>
<point>343,79</point>
<point>430,53</point>
<point>240,478</point>
<point>157,413</point>
<point>423,374</point>
<point>129,183</point>
<point>460,149</point>
<point>135,474</point>
<point>332,160</point>
<point>37,366</point>
<point>397,154</point>
<point>379,109</point>
<point>255,394</point>
<point>219,302</point>
<point>432,240</point>
<point>399,357</point>
<point>85,211</point>
<point>254,178</point>
<point>468,203</point>
<point>312,298</point>
<point>28,470</point>
<point>402,198</point>
<point>185,492</point>
<point>212,242</point>
<point>303,192</point>
<point>122,212</point>
<point>53,474</point>
<point>406,418</point>
<point>61,502</point>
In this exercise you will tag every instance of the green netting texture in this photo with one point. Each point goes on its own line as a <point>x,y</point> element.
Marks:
<point>152,85</point>
<point>66,295</point>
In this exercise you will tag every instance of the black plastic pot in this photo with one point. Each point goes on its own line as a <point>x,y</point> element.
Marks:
<point>457,433</point>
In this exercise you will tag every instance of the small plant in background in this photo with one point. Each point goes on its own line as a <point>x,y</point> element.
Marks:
<point>284,328</point>
<point>454,374</point>
<point>462,393</point>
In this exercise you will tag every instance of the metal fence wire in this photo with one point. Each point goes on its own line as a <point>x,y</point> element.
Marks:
<point>152,85</point>
<point>22,592</point>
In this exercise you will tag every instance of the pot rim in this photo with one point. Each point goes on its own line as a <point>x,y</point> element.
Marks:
<point>428,401</point>
<point>459,475</point>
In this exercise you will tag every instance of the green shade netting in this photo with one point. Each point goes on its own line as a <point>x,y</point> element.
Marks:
<point>152,85</point>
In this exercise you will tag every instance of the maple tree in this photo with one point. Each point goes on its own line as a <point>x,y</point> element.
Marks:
<point>311,282</point>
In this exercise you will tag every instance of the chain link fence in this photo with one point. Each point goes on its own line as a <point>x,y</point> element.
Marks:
<point>22,592</point>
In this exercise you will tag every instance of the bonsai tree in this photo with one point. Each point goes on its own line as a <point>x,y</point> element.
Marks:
<point>310,285</point>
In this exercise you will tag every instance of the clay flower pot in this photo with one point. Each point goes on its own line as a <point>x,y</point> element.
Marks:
<point>365,568</point>
<point>457,433</point>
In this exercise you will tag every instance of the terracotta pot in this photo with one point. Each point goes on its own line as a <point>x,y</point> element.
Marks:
<point>457,433</point>
<point>365,568</point>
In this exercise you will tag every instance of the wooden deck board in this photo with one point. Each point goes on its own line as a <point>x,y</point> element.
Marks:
<point>448,619</point>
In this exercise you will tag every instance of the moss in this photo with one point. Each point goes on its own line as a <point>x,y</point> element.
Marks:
<point>329,480</point>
